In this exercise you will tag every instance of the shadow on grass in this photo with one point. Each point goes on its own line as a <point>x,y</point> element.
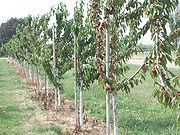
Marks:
<point>44,129</point>
<point>158,125</point>
<point>10,109</point>
<point>2,80</point>
<point>9,113</point>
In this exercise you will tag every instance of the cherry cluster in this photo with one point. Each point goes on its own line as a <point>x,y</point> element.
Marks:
<point>100,24</point>
<point>156,68</point>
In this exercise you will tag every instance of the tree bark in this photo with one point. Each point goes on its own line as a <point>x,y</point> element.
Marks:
<point>58,99</point>
<point>75,82</point>
<point>115,116</point>
<point>46,86</point>
<point>57,91</point>
<point>30,73</point>
<point>46,91</point>
<point>81,104</point>
<point>38,79</point>
<point>107,92</point>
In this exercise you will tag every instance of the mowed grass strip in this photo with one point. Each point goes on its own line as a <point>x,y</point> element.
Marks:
<point>17,111</point>
<point>139,112</point>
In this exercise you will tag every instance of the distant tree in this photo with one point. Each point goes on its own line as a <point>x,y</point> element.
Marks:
<point>8,29</point>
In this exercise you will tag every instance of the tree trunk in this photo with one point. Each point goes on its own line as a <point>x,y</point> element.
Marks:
<point>46,86</point>
<point>107,113</point>
<point>37,79</point>
<point>107,92</point>
<point>34,77</point>
<point>46,91</point>
<point>57,91</point>
<point>81,104</point>
<point>30,73</point>
<point>55,94</point>
<point>58,100</point>
<point>24,69</point>
<point>115,116</point>
<point>75,82</point>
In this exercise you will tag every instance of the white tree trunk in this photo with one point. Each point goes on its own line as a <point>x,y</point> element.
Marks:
<point>30,73</point>
<point>115,114</point>
<point>46,86</point>
<point>27,71</point>
<point>55,94</point>
<point>54,66</point>
<point>81,104</point>
<point>107,92</point>
<point>58,100</point>
<point>37,78</point>
<point>57,91</point>
<point>75,82</point>
<point>24,68</point>
<point>34,77</point>
<point>107,113</point>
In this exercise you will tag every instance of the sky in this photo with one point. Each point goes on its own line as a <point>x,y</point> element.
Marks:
<point>23,8</point>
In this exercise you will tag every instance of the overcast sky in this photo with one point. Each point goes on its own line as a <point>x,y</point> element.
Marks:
<point>22,8</point>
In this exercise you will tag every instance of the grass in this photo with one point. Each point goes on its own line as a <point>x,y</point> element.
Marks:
<point>16,111</point>
<point>139,112</point>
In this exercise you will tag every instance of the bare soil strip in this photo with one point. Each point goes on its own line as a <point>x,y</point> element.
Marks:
<point>65,118</point>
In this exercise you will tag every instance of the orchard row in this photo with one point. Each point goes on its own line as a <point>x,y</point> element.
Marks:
<point>96,45</point>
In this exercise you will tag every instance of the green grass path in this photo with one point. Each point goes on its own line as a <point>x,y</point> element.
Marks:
<point>17,111</point>
<point>139,112</point>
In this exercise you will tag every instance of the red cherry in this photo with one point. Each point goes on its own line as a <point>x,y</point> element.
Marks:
<point>99,50</point>
<point>144,67</point>
<point>98,60</point>
<point>96,25</point>
<point>101,64</point>
<point>110,12</point>
<point>111,75</point>
<point>94,20</point>
<point>111,43</point>
<point>99,43</point>
<point>102,26</point>
<point>106,17</point>
<point>178,93</point>
<point>154,69</point>
<point>98,35</point>
<point>101,75</point>
<point>94,5</point>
